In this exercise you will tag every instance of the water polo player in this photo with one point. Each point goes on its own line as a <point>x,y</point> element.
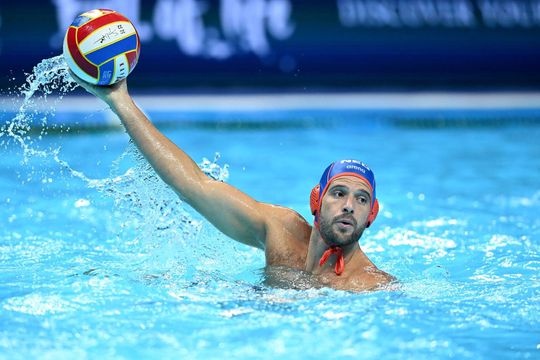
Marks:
<point>344,203</point>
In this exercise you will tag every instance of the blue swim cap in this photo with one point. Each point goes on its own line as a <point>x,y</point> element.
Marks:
<point>338,169</point>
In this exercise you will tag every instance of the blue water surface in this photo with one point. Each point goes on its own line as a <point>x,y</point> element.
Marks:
<point>99,259</point>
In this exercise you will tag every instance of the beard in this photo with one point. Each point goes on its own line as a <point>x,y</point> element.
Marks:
<point>337,238</point>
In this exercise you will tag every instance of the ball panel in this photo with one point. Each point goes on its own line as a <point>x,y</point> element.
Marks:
<point>97,13</point>
<point>85,17</point>
<point>80,20</point>
<point>77,70</point>
<point>121,68</point>
<point>132,58</point>
<point>75,54</point>
<point>105,36</point>
<point>105,53</point>
<point>97,23</point>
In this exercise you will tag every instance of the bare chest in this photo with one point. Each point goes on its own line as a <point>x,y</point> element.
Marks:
<point>356,281</point>
<point>285,249</point>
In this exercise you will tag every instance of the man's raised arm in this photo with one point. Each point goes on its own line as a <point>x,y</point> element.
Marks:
<point>234,213</point>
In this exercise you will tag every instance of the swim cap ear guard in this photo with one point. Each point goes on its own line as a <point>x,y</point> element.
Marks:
<point>314,199</point>
<point>338,169</point>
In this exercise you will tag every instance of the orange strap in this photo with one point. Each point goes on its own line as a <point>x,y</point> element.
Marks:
<point>340,263</point>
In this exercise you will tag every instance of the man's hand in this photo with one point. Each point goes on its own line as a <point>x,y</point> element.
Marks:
<point>109,94</point>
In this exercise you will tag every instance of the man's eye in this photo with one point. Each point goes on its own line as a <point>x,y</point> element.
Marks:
<point>338,193</point>
<point>362,200</point>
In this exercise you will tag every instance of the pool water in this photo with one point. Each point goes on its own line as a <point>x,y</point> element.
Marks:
<point>100,259</point>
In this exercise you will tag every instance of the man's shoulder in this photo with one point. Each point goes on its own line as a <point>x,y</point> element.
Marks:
<point>287,237</point>
<point>281,216</point>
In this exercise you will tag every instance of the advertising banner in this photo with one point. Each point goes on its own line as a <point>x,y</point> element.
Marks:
<point>299,45</point>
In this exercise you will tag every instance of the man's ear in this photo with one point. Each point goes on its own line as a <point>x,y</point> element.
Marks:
<point>373,213</point>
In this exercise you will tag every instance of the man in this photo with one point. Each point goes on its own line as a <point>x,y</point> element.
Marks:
<point>344,204</point>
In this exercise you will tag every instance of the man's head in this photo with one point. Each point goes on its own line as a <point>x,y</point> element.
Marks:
<point>344,202</point>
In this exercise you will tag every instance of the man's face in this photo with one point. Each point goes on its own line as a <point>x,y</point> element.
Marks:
<point>345,210</point>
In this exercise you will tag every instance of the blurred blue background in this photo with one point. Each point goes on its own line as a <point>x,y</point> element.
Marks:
<point>191,45</point>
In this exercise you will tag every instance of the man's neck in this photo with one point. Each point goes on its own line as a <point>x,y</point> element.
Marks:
<point>353,255</point>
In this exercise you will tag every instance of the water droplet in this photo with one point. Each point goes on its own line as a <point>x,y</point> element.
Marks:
<point>82,203</point>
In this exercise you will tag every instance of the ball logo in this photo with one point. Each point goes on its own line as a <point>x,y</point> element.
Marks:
<point>111,34</point>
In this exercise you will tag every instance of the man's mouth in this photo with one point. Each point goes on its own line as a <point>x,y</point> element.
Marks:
<point>346,222</point>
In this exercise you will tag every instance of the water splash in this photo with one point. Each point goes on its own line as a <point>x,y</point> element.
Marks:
<point>48,77</point>
<point>51,77</point>
<point>147,217</point>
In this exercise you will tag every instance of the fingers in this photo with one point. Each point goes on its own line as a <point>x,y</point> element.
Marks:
<point>106,93</point>
<point>89,86</point>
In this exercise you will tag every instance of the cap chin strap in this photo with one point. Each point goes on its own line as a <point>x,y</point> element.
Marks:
<point>340,262</point>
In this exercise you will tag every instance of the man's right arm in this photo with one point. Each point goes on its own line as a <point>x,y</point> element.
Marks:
<point>234,213</point>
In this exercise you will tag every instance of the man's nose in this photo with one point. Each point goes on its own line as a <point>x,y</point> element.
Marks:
<point>348,205</point>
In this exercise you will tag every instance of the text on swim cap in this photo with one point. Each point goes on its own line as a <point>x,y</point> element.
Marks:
<point>354,167</point>
<point>355,162</point>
